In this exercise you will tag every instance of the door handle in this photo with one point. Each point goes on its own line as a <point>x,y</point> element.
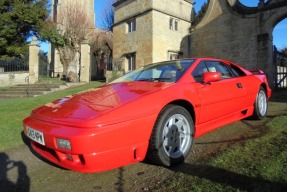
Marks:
<point>239,85</point>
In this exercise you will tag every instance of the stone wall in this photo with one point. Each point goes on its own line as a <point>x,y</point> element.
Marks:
<point>13,78</point>
<point>166,41</point>
<point>139,41</point>
<point>240,34</point>
<point>224,35</point>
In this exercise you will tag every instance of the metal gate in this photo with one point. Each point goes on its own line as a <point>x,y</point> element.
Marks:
<point>44,71</point>
<point>14,64</point>
<point>280,69</point>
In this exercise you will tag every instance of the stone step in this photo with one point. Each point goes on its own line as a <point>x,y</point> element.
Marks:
<point>34,89</point>
<point>12,93</point>
<point>25,89</point>
<point>41,85</point>
<point>12,96</point>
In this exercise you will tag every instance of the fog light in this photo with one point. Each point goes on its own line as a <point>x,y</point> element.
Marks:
<point>64,144</point>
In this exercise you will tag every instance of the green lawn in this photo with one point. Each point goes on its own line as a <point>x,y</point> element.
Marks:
<point>13,111</point>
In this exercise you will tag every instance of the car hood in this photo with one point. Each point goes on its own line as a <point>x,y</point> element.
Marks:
<point>91,103</point>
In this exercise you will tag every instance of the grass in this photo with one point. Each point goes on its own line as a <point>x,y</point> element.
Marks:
<point>13,111</point>
<point>254,165</point>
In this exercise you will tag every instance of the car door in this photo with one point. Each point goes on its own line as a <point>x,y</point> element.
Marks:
<point>218,98</point>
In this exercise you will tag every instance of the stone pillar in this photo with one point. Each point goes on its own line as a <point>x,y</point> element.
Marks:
<point>34,61</point>
<point>265,56</point>
<point>58,66</point>
<point>85,65</point>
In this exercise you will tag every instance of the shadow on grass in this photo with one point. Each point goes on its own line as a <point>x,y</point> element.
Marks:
<point>228,178</point>
<point>279,95</point>
<point>236,140</point>
<point>260,131</point>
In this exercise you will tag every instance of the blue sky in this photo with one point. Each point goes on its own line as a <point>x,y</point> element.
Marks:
<point>279,33</point>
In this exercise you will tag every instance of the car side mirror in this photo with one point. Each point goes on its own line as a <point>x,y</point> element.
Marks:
<point>209,77</point>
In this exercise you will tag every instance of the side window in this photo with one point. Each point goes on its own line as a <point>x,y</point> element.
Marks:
<point>197,73</point>
<point>216,66</point>
<point>224,70</point>
<point>236,71</point>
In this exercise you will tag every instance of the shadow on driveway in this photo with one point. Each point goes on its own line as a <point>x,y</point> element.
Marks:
<point>8,166</point>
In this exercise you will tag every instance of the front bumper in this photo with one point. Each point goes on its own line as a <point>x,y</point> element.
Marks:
<point>93,149</point>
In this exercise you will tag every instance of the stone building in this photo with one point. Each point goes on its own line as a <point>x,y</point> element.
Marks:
<point>147,31</point>
<point>58,7</point>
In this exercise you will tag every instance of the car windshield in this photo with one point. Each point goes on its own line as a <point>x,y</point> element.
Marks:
<point>169,71</point>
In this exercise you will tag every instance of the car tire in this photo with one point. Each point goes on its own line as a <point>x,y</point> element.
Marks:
<point>260,105</point>
<point>172,136</point>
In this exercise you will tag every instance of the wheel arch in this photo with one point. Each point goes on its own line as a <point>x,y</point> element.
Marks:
<point>264,86</point>
<point>188,106</point>
<point>185,104</point>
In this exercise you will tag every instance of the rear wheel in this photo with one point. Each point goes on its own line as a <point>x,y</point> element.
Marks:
<point>260,105</point>
<point>172,137</point>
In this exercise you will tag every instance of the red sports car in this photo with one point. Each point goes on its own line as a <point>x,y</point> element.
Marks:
<point>154,112</point>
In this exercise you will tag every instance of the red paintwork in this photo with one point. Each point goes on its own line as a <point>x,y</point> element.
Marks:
<point>110,126</point>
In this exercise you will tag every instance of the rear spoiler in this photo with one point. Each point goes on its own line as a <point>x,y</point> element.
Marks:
<point>257,72</point>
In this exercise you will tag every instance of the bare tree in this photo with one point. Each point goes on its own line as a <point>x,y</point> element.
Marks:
<point>107,16</point>
<point>102,41</point>
<point>76,26</point>
<point>101,46</point>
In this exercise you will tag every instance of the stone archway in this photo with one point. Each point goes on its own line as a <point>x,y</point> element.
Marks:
<point>232,31</point>
<point>280,62</point>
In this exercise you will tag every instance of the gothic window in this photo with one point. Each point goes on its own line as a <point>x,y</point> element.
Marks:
<point>131,25</point>
<point>172,55</point>
<point>131,61</point>
<point>176,25</point>
<point>173,24</point>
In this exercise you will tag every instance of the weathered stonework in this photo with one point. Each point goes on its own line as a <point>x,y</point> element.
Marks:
<point>34,50</point>
<point>229,30</point>
<point>153,40</point>
<point>85,62</point>
<point>13,78</point>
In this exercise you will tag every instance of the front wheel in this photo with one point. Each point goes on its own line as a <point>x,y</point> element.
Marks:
<point>260,105</point>
<point>172,136</point>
